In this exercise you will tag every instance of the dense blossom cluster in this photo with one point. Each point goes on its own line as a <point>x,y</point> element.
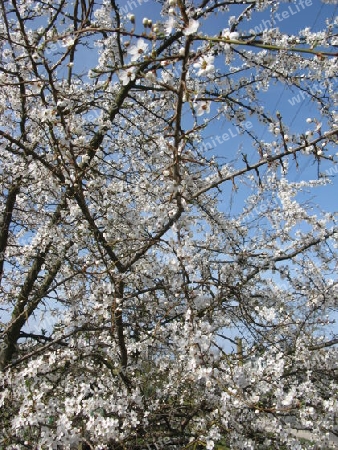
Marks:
<point>137,308</point>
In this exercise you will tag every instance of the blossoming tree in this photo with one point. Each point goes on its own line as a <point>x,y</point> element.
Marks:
<point>138,310</point>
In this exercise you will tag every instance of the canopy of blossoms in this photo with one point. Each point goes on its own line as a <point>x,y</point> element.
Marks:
<point>139,309</point>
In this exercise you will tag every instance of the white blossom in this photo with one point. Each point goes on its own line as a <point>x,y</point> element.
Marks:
<point>127,75</point>
<point>230,35</point>
<point>205,65</point>
<point>138,50</point>
<point>169,25</point>
<point>203,108</point>
<point>192,27</point>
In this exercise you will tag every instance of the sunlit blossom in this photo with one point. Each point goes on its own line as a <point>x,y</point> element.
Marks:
<point>203,107</point>
<point>191,28</point>
<point>68,41</point>
<point>205,65</point>
<point>138,50</point>
<point>169,25</point>
<point>230,35</point>
<point>127,75</point>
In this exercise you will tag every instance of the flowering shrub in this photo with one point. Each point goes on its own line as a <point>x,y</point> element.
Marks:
<point>138,310</point>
